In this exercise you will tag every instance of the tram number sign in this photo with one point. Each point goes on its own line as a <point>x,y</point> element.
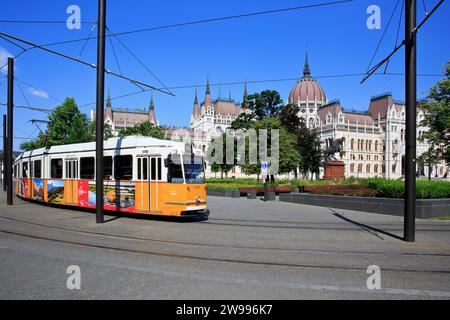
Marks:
<point>264,168</point>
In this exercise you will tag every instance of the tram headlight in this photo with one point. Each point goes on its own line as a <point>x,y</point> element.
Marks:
<point>197,200</point>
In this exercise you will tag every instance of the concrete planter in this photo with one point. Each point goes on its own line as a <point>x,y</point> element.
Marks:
<point>234,193</point>
<point>425,208</point>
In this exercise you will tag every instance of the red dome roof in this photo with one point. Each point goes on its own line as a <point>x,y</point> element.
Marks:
<point>307,88</point>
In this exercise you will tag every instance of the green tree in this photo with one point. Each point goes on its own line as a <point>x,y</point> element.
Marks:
<point>221,166</point>
<point>265,104</point>
<point>311,156</point>
<point>66,125</point>
<point>429,158</point>
<point>243,121</point>
<point>289,117</point>
<point>145,128</point>
<point>437,116</point>
<point>107,130</point>
<point>288,154</point>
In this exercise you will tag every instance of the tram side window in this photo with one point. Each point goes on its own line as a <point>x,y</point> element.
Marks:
<point>107,168</point>
<point>56,168</point>
<point>37,168</point>
<point>175,173</point>
<point>87,168</point>
<point>25,169</point>
<point>142,168</point>
<point>153,168</point>
<point>123,167</point>
<point>159,169</point>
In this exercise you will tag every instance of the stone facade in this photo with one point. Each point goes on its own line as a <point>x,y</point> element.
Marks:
<point>120,118</point>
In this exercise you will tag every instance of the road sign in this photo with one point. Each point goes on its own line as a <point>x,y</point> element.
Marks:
<point>264,168</point>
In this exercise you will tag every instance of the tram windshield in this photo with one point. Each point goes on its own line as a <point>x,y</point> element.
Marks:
<point>193,169</point>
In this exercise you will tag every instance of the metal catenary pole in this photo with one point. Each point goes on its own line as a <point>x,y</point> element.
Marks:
<point>410,95</point>
<point>9,142</point>
<point>99,109</point>
<point>4,153</point>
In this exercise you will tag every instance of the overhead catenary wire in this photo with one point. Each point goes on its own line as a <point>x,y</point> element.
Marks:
<point>382,36</point>
<point>378,65</point>
<point>43,21</point>
<point>398,31</point>
<point>83,62</point>
<point>114,52</point>
<point>209,20</point>
<point>38,89</point>
<point>136,57</point>
<point>85,43</point>
<point>192,86</point>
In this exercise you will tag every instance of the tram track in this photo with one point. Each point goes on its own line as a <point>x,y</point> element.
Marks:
<point>220,246</point>
<point>222,260</point>
<point>302,225</point>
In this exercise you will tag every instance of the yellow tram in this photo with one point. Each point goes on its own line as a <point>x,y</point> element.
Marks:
<point>141,175</point>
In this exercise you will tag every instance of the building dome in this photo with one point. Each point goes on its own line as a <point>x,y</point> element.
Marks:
<point>307,89</point>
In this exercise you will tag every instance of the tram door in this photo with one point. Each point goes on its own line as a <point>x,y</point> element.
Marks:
<point>149,174</point>
<point>71,183</point>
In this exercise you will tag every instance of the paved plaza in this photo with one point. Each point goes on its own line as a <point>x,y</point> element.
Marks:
<point>247,249</point>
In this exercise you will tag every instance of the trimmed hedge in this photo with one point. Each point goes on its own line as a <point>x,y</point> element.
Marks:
<point>378,187</point>
<point>396,188</point>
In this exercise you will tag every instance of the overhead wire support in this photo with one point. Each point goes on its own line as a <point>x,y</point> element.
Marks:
<point>136,57</point>
<point>92,65</point>
<point>414,32</point>
<point>382,36</point>
<point>85,43</point>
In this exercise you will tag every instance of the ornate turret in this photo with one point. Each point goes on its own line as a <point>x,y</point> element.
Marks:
<point>108,112</point>
<point>196,110</point>
<point>151,112</point>
<point>208,101</point>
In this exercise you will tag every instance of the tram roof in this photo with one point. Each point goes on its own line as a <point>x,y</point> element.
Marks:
<point>111,143</point>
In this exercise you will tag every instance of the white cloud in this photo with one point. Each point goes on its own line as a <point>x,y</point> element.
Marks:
<point>39,93</point>
<point>4,54</point>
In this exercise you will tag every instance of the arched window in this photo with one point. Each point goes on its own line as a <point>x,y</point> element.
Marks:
<point>383,168</point>
<point>376,145</point>
<point>368,168</point>
<point>360,168</point>
<point>370,145</point>
<point>352,167</point>
<point>352,144</point>
<point>311,122</point>
<point>375,168</point>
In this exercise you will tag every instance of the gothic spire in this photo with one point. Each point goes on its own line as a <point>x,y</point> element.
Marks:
<point>152,106</point>
<point>207,85</point>
<point>195,98</point>
<point>245,97</point>
<point>306,69</point>
<point>108,100</point>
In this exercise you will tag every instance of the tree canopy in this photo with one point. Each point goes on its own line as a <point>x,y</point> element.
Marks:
<point>265,104</point>
<point>145,128</point>
<point>66,124</point>
<point>437,116</point>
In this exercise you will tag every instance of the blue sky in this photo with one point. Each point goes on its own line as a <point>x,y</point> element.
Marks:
<point>253,48</point>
